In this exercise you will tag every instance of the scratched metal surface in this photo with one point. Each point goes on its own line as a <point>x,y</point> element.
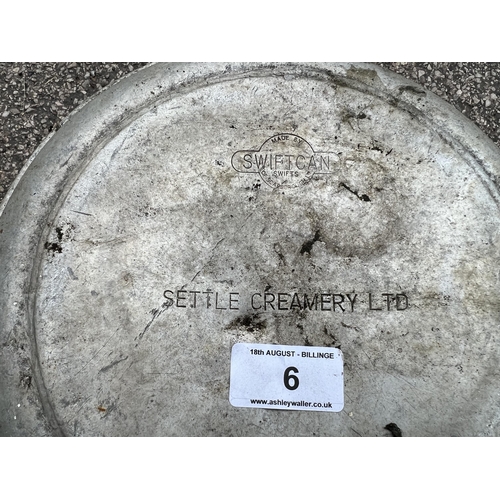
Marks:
<point>191,207</point>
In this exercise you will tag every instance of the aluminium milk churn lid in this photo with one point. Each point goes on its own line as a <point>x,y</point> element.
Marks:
<point>254,249</point>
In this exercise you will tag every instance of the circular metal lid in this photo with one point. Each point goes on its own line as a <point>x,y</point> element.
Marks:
<point>192,207</point>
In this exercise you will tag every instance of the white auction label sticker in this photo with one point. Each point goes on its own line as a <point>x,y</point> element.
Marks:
<point>285,377</point>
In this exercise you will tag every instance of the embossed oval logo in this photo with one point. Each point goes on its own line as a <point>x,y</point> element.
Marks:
<point>285,160</point>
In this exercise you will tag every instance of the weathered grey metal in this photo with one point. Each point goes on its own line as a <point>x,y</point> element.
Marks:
<point>193,206</point>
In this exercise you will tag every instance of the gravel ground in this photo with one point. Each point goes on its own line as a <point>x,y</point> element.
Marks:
<point>36,97</point>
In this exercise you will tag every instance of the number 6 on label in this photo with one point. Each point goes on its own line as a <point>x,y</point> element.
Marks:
<point>278,377</point>
<point>287,377</point>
